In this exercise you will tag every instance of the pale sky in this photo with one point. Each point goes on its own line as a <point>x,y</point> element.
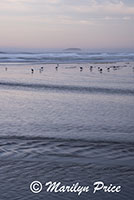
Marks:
<point>67,23</point>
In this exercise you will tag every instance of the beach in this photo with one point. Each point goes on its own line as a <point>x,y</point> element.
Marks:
<point>70,124</point>
<point>66,100</point>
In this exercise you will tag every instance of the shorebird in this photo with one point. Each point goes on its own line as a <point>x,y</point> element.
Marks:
<point>41,69</point>
<point>91,67</point>
<point>32,70</point>
<point>57,67</point>
<point>81,68</point>
<point>100,70</point>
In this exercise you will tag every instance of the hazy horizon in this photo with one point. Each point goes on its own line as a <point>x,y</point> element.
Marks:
<point>90,24</point>
<point>36,49</point>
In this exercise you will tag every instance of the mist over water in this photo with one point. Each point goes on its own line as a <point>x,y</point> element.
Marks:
<point>66,125</point>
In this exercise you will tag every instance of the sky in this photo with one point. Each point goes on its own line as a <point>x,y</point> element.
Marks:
<point>67,23</point>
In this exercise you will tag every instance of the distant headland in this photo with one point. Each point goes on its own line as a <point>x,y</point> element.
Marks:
<point>72,49</point>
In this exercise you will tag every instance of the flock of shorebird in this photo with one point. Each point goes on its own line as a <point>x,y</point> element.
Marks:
<point>42,68</point>
<point>100,69</point>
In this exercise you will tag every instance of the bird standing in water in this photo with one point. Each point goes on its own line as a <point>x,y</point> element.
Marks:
<point>100,70</point>
<point>32,70</point>
<point>81,68</point>
<point>57,67</point>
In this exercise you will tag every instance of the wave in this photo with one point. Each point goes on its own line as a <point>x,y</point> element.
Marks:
<point>86,141</point>
<point>65,56</point>
<point>69,88</point>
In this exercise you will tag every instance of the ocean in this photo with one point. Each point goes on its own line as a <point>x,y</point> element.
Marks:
<point>70,124</point>
<point>70,55</point>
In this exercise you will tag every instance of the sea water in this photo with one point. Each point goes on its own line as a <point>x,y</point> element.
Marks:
<point>66,126</point>
<point>65,55</point>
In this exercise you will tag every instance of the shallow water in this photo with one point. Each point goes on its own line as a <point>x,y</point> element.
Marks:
<point>66,126</point>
